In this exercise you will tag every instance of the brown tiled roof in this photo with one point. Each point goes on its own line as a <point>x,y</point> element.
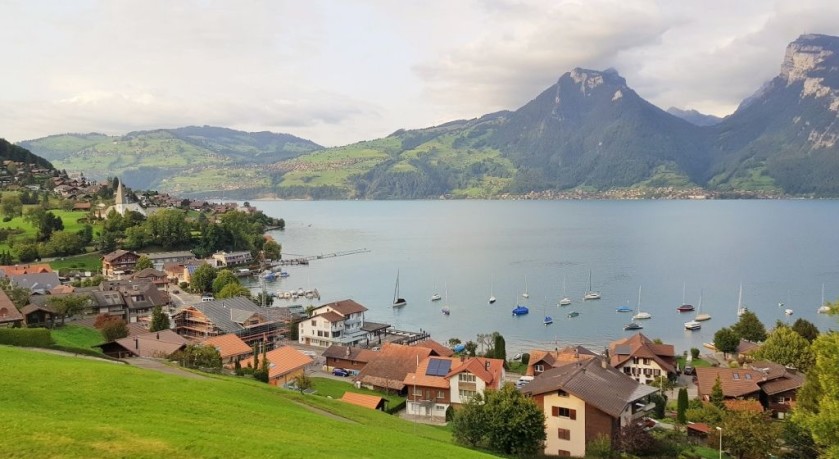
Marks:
<point>148,272</point>
<point>330,316</point>
<point>389,367</point>
<point>30,308</point>
<point>601,386</point>
<point>745,383</point>
<point>639,345</point>
<point>420,378</point>
<point>153,344</point>
<point>743,405</point>
<point>115,254</point>
<point>366,401</point>
<point>699,427</point>
<point>556,358</point>
<point>489,370</point>
<point>340,352</point>
<point>436,348</point>
<point>747,347</point>
<point>228,345</point>
<point>17,270</point>
<point>345,307</point>
<point>284,360</point>
<point>8,310</point>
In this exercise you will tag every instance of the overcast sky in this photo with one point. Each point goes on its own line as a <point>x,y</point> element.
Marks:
<point>341,71</point>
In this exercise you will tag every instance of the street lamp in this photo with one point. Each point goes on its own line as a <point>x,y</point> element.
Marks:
<point>720,429</point>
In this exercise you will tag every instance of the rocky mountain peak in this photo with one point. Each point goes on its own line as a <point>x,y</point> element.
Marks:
<point>807,55</point>
<point>590,79</point>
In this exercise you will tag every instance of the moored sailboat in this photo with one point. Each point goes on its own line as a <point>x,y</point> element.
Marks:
<point>591,294</point>
<point>700,316</point>
<point>640,315</point>
<point>397,300</point>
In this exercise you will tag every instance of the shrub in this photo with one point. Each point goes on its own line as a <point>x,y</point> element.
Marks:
<point>525,358</point>
<point>694,352</point>
<point>28,337</point>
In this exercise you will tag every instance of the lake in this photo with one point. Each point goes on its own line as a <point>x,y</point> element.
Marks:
<point>781,252</point>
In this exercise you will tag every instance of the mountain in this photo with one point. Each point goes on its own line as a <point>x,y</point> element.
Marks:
<point>12,152</point>
<point>785,135</point>
<point>184,160</point>
<point>694,117</point>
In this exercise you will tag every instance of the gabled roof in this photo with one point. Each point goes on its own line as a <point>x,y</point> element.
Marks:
<point>599,385</point>
<point>366,401</point>
<point>638,345</point>
<point>152,344</point>
<point>422,378</point>
<point>30,308</point>
<point>556,358</point>
<point>391,364</point>
<point>181,254</point>
<point>284,360</point>
<point>8,310</point>
<point>223,312</point>
<point>344,307</point>
<point>59,289</point>
<point>117,254</point>
<point>436,348</point>
<point>357,354</point>
<point>489,370</point>
<point>148,272</point>
<point>26,269</point>
<point>735,382</point>
<point>747,347</point>
<point>228,345</point>
<point>743,405</point>
<point>40,282</point>
<point>330,317</point>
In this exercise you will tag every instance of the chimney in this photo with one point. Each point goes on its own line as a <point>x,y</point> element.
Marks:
<point>136,343</point>
<point>158,336</point>
<point>603,363</point>
<point>486,365</point>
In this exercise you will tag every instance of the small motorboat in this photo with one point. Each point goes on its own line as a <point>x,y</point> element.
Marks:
<point>436,297</point>
<point>565,301</point>
<point>632,326</point>
<point>517,357</point>
<point>788,312</point>
<point>520,310</point>
<point>573,314</point>
<point>623,308</point>
<point>685,308</point>
<point>459,347</point>
<point>548,320</point>
<point>693,325</point>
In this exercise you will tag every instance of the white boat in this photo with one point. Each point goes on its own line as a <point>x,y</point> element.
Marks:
<point>525,294</point>
<point>788,312</point>
<point>491,295</point>
<point>397,300</point>
<point>824,308</point>
<point>740,308</point>
<point>693,325</point>
<point>435,296</point>
<point>701,316</point>
<point>445,309</point>
<point>565,301</point>
<point>591,294</point>
<point>640,315</point>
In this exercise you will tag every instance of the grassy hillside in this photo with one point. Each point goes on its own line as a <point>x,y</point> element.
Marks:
<point>56,406</point>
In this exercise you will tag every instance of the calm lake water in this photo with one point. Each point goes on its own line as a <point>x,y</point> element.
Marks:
<point>781,251</point>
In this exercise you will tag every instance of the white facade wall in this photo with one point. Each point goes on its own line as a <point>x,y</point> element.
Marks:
<point>646,371</point>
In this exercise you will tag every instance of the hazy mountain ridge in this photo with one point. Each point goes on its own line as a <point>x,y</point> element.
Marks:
<point>694,117</point>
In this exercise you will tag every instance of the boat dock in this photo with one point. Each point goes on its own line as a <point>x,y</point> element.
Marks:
<point>305,259</point>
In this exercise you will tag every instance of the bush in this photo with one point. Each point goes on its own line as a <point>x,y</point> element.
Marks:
<point>525,358</point>
<point>28,337</point>
<point>694,352</point>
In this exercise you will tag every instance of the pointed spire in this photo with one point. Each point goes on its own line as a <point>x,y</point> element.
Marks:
<point>120,194</point>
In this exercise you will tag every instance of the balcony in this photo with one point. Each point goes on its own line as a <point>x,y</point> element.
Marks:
<point>641,409</point>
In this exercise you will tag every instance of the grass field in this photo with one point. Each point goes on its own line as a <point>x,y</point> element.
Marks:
<point>335,389</point>
<point>69,218</point>
<point>697,363</point>
<point>56,406</point>
<point>77,336</point>
<point>88,262</point>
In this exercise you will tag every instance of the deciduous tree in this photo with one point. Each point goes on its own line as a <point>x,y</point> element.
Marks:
<point>818,400</point>
<point>749,433</point>
<point>726,340</point>
<point>224,277</point>
<point>232,291</point>
<point>749,327</point>
<point>786,347</point>
<point>69,305</point>
<point>202,279</point>
<point>806,329</point>
<point>159,320</point>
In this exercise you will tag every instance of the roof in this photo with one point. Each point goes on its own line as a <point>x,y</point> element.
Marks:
<point>357,354</point>
<point>148,272</point>
<point>747,347</point>
<point>743,405</point>
<point>601,386</point>
<point>557,358</point>
<point>638,345</point>
<point>489,370</point>
<point>224,313</point>
<point>26,269</point>
<point>42,282</point>
<point>153,344</point>
<point>373,326</point>
<point>181,254</point>
<point>8,310</point>
<point>117,254</point>
<point>344,307</point>
<point>228,345</point>
<point>58,289</point>
<point>390,365</point>
<point>699,427</point>
<point>284,360</point>
<point>330,316</point>
<point>436,348</point>
<point>744,383</point>
<point>367,401</point>
<point>422,378</point>
<point>30,308</point>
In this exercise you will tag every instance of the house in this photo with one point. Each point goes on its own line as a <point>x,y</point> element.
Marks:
<point>350,358</point>
<point>237,315</point>
<point>182,272</point>
<point>774,386</point>
<point>230,347</point>
<point>541,361</point>
<point>698,430</point>
<point>585,400</point>
<point>232,258</point>
<point>340,322</point>
<point>81,205</point>
<point>642,359</point>
<point>366,401</point>
<point>37,283</point>
<point>387,370</point>
<point>119,262</point>
<point>25,269</point>
<point>160,259</point>
<point>121,205</point>
<point>9,315</point>
<point>161,344</point>
<point>436,348</point>
<point>130,299</point>
<point>284,364</point>
<point>38,316</point>
<point>158,278</point>
<point>62,289</point>
<point>746,348</point>
<point>441,382</point>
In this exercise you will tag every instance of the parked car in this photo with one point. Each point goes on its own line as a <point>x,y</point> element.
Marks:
<point>688,370</point>
<point>523,381</point>
<point>340,372</point>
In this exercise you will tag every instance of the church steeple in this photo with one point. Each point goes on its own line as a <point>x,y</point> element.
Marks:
<point>120,194</point>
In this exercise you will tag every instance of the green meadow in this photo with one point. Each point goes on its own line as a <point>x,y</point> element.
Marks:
<point>57,406</point>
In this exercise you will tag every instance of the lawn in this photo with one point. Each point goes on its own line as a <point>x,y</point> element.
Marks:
<point>703,452</point>
<point>697,363</point>
<point>56,406</point>
<point>77,336</point>
<point>335,389</point>
<point>87,262</point>
<point>70,219</point>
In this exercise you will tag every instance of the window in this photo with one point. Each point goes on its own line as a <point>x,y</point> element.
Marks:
<point>441,394</point>
<point>563,434</point>
<point>657,372</point>
<point>440,407</point>
<point>539,368</point>
<point>635,360</point>
<point>561,412</point>
<point>561,393</point>
<point>466,377</point>
<point>736,376</point>
<point>646,361</point>
<point>417,392</point>
<point>314,323</point>
<point>627,370</point>
<point>465,395</point>
<point>564,453</point>
<point>747,376</point>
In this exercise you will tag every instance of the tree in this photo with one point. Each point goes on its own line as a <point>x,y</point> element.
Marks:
<point>470,348</point>
<point>717,396</point>
<point>69,305</point>
<point>18,295</point>
<point>635,440</point>
<point>202,279</point>
<point>749,433</point>
<point>726,340</point>
<point>232,291</point>
<point>159,320</point>
<point>62,243</point>
<point>26,252</point>
<point>11,205</point>
<point>694,353</point>
<point>749,327</point>
<point>114,329</point>
<point>271,250</point>
<point>504,421</point>
<point>806,329</point>
<point>303,382</point>
<point>142,263</point>
<point>454,342</point>
<point>168,229</point>
<point>45,222</point>
<point>499,347</point>
<point>264,298</point>
<point>660,403</point>
<point>682,406</point>
<point>786,347</point>
<point>600,447</point>
<point>818,400</point>
<point>224,277</point>
<point>199,356</point>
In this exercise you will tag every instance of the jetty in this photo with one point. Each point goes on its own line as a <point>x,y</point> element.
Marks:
<point>305,259</point>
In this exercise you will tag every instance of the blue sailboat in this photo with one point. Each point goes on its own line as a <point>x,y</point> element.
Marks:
<point>520,310</point>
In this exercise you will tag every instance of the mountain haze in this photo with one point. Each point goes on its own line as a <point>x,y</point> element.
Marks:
<point>694,117</point>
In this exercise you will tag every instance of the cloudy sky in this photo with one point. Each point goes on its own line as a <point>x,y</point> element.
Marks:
<point>341,71</point>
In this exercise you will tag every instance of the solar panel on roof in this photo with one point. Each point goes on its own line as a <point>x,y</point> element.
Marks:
<point>432,367</point>
<point>445,366</point>
<point>437,367</point>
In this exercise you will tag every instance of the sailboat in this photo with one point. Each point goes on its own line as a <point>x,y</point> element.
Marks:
<point>740,308</point>
<point>623,308</point>
<point>491,295</point>
<point>633,326</point>
<point>435,296</point>
<point>691,324</point>
<point>548,319</point>
<point>684,307</point>
<point>525,294</point>
<point>700,316</point>
<point>520,310</point>
<point>591,294</point>
<point>445,309</point>
<point>639,315</point>
<point>397,301</point>
<point>824,308</point>
<point>565,301</point>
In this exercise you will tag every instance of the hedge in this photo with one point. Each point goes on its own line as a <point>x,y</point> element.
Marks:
<point>396,408</point>
<point>28,337</point>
